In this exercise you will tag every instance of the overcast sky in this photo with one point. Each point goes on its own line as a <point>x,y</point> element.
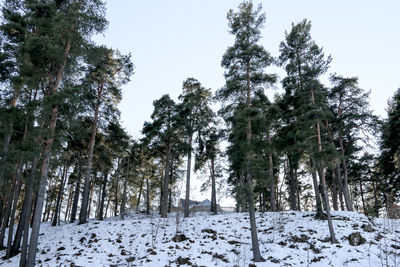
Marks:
<point>176,39</point>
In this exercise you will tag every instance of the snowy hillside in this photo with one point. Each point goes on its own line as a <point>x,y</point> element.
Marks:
<point>286,239</point>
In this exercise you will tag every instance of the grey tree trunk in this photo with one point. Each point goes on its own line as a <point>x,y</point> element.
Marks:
<point>13,211</point>
<point>164,197</point>
<point>6,217</point>
<point>85,195</point>
<point>139,194</point>
<point>18,234</point>
<point>334,190</point>
<point>272,200</point>
<point>30,262</point>
<point>116,187</point>
<point>74,208</point>
<point>213,188</point>
<point>68,209</point>
<point>318,202</point>
<point>292,181</point>
<point>188,170</point>
<point>362,197</point>
<point>123,202</point>
<point>29,198</point>
<point>60,191</point>
<point>147,197</point>
<point>326,200</point>
<point>103,196</point>
<point>253,226</point>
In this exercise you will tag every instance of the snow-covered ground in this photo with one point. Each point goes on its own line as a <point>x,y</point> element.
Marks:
<point>286,239</point>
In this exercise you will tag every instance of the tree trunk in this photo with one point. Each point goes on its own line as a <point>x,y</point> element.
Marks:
<point>18,234</point>
<point>108,204</point>
<point>341,199</point>
<point>29,198</point>
<point>272,201</point>
<point>376,205</point>
<point>91,191</point>
<point>362,196</point>
<point>139,194</point>
<point>13,211</point>
<point>60,191</point>
<point>188,170</point>
<point>297,190</point>
<point>213,188</point>
<point>318,202</point>
<point>334,195</point>
<point>103,196</point>
<point>6,217</point>
<point>346,191</point>
<point>85,194</point>
<point>164,200</point>
<point>74,208</point>
<point>326,200</point>
<point>116,188</point>
<point>147,197</point>
<point>123,202</point>
<point>68,210</point>
<point>253,227</point>
<point>30,262</point>
<point>322,178</point>
<point>292,181</point>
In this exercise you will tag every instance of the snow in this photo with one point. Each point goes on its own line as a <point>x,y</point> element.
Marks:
<point>286,239</point>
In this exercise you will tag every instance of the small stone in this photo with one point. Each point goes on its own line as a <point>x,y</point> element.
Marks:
<point>356,239</point>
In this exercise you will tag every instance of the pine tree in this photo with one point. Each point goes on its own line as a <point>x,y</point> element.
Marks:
<point>304,62</point>
<point>390,147</point>
<point>245,62</point>
<point>162,134</point>
<point>195,115</point>
<point>107,72</point>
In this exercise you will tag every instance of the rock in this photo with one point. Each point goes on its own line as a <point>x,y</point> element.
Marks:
<point>179,238</point>
<point>356,239</point>
<point>183,261</point>
<point>209,231</point>
<point>367,228</point>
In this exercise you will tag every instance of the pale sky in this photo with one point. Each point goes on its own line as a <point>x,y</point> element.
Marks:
<point>176,39</point>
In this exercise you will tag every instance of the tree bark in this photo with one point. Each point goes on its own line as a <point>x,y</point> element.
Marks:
<point>103,196</point>
<point>326,200</point>
<point>139,194</point>
<point>164,200</point>
<point>292,181</point>
<point>6,217</point>
<point>123,202</point>
<point>362,196</point>
<point>116,188</point>
<point>188,170</point>
<point>29,198</point>
<point>13,211</point>
<point>85,194</point>
<point>253,226</point>
<point>213,188</point>
<point>30,262</point>
<point>76,194</point>
<point>69,200</point>
<point>60,191</point>
<point>345,188</point>
<point>318,202</point>
<point>272,201</point>
<point>147,197</point>
<point>334,194</point>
